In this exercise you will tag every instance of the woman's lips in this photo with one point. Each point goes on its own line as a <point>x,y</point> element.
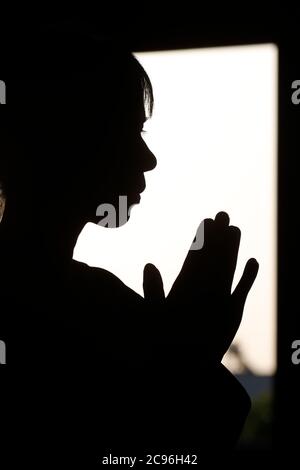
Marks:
<point>134,188</point>
<point>137,188</point>
<point>142,187</point>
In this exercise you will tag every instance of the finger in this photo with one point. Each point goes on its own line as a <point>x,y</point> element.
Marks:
<point>241,291</point>
<point>208,229</point>
<point>153,284</point>
<point>222,219</point>
<point>200,252</point>
<point>232,241</point>
<point>239,296</point>
<point>202,240</point>
<point>214,231</point>
<point>223,248</point>
<point>198,241</point>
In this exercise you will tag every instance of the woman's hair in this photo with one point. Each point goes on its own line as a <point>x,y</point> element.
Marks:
<point>54,64</point>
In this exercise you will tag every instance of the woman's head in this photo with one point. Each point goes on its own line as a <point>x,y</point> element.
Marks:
<point>78,121</point>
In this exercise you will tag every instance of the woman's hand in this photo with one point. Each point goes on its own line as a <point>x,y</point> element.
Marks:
<point>201,309</point>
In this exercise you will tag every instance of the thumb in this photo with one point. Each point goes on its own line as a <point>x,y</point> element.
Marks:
<point>153,284</point>
<point>241,291</point>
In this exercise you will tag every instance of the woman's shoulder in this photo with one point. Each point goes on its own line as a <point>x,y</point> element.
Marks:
<point>101,283</point>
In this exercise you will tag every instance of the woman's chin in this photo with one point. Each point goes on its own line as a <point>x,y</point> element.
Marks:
<point>134,200</point>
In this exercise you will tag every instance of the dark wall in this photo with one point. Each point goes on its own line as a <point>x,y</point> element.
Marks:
<point>149,27</point>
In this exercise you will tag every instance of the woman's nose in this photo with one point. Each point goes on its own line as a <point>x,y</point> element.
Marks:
<point>148,159</point>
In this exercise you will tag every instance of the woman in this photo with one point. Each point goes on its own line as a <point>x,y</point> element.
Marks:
<point>109,369</point>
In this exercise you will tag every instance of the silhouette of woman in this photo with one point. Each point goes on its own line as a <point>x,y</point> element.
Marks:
<point>106,370</point>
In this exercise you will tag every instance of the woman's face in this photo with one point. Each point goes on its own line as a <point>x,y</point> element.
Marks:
<point>114,158</point>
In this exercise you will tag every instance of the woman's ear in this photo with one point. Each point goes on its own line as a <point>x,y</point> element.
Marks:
<point>2,205</point>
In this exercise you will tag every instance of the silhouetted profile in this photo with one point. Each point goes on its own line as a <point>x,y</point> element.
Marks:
<point>105,370</point>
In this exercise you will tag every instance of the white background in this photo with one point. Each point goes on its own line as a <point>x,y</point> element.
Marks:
<point>214,134</point>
